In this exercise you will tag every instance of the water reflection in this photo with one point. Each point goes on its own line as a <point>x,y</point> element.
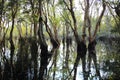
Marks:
<point>103,64</point>
<point>92,56</point>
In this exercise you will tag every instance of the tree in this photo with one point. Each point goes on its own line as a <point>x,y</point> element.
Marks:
<point>14,7</point>
<point>1,13</point>
<point>45,55</point>
<point>92,41</point>
<point>81,45</point>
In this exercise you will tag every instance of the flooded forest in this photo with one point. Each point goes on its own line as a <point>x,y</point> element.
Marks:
<point>59,39</point>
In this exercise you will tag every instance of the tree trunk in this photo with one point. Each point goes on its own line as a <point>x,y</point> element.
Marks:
<point>43,46</point>
<point>12,47</point>
<point>1,13</point>
<point>35,29</point>
<point>63,42</point>
<point>44,62</point>
<point>0,30</point>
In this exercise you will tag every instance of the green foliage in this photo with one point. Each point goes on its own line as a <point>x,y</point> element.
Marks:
<point>116,29</point>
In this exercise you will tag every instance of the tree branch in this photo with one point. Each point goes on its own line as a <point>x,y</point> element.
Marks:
<point>86,19</point>
<point>66,5</point>
<point>99,20</point>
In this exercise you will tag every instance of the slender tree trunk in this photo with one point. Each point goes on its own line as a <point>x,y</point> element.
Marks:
<point>12,47</point>
<point>63,43</point>
<point>43,46</point>
<point>26,30</point>
<point>1,13</point>
<point>0,30</point>
<point>35,68</point>
<point>3,56</point>
<point>35,29</point>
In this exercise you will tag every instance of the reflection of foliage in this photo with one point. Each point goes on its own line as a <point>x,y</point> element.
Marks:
<point>112,66</point>
<point>111,62</point>
<point>111,42</point>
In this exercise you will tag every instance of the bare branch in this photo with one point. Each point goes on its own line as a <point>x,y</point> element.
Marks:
<point>99,19</point>
<point>67,20</point>
<point>47,28</point>
<point>66,5</point>
<point>74,20</point>
<point>92,2</point>
<point>112,14</point>
<point>82,6</point>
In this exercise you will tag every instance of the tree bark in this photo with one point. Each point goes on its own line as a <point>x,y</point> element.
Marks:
<point>1,13</point>
<point>12,47</point>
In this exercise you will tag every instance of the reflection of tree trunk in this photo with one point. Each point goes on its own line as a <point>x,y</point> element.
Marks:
<point>63,42</point>
<point>3,72</point>
<point>81,53</point>
<point>75,66</point>
<point>21,65</point>
<point>55,64</point>
<point>0,70</point>
<point>44,61</point>
<point>25,60</point>
<point>67,48</point>
<point>34,53</point>
<point>67,57</point>
<point>92,56</point>
<point>7,70</point>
